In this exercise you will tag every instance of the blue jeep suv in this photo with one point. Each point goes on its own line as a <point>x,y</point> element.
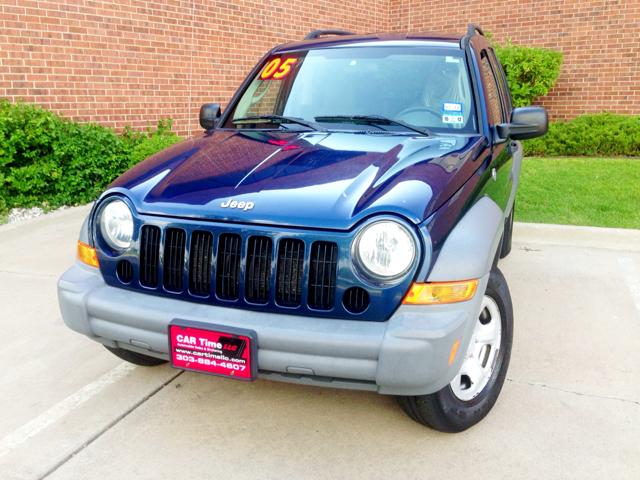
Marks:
<point>339,224</point>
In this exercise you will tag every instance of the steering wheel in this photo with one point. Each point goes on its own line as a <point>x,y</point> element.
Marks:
<point>429,110</point>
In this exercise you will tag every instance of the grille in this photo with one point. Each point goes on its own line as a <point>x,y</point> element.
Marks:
<point>149,256</point>
<point>200,263</point>
<point>174,243</point>
<point>228,268</point>
<point>289,275</point>
<point>322,275</point>
<point>355,300</point>
<point>124,271</point>
<point>258,270</point>
<point>300,269</point>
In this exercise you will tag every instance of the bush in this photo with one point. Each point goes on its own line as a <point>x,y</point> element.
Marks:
<point>530,71</point>
<point>47,160</point>
<point>603,134</point>
<point>153,143</point>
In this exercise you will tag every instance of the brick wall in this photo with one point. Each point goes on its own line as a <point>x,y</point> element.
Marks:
<point>129,62</point>
<point>600,41</point>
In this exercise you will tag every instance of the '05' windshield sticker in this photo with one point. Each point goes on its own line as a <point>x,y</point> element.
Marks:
<point>452,113</point>
<point>277,69</point>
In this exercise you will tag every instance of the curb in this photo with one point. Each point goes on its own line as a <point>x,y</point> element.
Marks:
<point>597,237</point>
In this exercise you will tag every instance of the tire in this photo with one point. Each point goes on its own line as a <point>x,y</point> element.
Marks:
<point>508,234</point>
<point>136,358</point>
<point>445,410</point>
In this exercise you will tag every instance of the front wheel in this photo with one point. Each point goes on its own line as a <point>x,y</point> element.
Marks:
<point>475,389</point>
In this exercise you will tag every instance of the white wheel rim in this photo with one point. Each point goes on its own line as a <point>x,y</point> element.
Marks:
<point>482,354</point>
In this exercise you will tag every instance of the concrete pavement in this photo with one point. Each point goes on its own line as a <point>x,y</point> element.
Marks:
<point>570,407</point>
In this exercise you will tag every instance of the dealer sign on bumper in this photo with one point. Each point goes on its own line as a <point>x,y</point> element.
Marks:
<point>213,349</point>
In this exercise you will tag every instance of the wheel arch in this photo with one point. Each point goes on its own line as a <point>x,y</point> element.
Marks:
<point>470,249</point>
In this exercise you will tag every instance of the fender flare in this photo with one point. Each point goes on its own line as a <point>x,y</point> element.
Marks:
<point>470,249</point>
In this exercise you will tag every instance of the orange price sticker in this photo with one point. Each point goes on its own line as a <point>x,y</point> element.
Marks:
<point>285,68</point>
<point>270,69</point>
<point>277,69</point>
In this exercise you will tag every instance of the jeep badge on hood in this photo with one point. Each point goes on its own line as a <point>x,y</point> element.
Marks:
<point>239,205</point>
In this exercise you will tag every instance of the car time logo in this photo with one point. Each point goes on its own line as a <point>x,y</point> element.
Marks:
<point>239,205</point>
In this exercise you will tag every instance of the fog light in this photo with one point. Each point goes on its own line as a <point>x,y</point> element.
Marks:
<point>440,293</point>
<point>87,255</point>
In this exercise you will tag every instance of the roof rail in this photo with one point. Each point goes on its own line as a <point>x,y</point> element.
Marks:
<point>317,33</point>
<point>473,28</point>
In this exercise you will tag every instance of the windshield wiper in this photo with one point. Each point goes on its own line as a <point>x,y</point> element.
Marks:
<point>299,121</point>
<point>372,119</point>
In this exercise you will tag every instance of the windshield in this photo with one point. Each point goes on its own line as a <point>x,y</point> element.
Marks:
<point>425,87</point>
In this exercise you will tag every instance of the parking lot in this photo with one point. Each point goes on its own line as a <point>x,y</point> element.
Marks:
<point>570,407</point>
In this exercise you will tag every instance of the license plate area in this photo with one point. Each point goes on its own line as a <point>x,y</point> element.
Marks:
<point>213,349</point>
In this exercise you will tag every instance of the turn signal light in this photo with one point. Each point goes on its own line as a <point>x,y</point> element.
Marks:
<point>87,254</point>
<point>440,293</point>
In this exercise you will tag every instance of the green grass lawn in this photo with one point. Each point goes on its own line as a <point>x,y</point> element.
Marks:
<point>599,192</point>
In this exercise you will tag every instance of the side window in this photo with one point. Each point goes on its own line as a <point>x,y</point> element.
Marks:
<point>493,93</point>
<point>502,82</point>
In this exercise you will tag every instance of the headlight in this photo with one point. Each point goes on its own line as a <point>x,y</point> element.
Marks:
<point>385,250</point>
<point>116,224</point>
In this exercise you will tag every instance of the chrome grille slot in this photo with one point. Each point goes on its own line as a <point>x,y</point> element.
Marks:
<point>322,275</point>
<point>258,274</point>
<point>228,267</point>
<point>174,245</point>
<point>200,259</point>
<point>289,274</point>
<point>149,256</point>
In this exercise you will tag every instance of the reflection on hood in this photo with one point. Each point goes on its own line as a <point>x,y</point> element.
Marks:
<point>320,180</point>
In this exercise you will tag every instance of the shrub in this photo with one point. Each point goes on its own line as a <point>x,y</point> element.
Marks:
<point>603,134</point>
<point>530,71</point>
<point>48,160</point>
<point>153,143</point>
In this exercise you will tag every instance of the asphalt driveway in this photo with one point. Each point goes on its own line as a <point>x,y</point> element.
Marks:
<point>570,407</point>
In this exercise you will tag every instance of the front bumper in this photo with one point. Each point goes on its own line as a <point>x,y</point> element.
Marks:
<point>405,355</point>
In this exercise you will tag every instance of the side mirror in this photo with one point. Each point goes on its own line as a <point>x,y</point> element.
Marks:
<point>526,122</point>
<point>209,115</point>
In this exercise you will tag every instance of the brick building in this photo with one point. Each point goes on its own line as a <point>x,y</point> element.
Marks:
<point>134,61</point>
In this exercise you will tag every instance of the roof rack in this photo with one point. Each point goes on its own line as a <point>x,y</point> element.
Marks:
<point>473,28</point>
<point>317,33</point>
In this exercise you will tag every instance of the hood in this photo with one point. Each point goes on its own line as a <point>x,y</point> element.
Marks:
<point>316,180</point>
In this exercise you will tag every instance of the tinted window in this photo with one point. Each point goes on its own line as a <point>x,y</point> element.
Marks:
<point>423,86</point>
<point>492,92</point>
<point>502,83</point>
